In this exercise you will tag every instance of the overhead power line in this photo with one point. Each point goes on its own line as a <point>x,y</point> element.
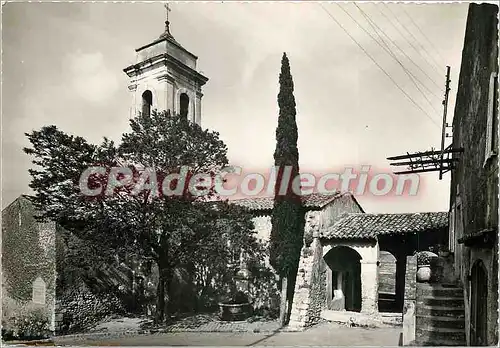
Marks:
<point>387,48</point>
<point>377,64</point>
<point>431,64</point>
<point>406,55</point>
<point>425,36</point>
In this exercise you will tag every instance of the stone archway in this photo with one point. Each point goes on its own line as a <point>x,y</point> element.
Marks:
<point>344,279</point>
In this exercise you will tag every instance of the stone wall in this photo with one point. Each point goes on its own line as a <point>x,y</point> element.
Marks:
<point>28,267</point>
<point>77,309</point>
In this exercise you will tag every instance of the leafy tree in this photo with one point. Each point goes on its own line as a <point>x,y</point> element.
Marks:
<point>288,217</point>
<point>172,230</point>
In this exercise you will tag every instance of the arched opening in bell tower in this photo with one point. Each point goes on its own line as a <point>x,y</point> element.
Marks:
<point>184,105</point>
<point>147,102</point>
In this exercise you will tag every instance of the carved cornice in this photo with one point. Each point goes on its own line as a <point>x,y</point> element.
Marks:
<point>166,77</point>
<point>167,60</point>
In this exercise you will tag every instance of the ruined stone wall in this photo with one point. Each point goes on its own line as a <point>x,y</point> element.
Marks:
<point>310,287</point>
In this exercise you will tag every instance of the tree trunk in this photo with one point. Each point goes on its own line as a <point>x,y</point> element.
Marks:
<point>164,281</point>
<point>160,307</point>
<point>283,300</point>
<point>290,295</point>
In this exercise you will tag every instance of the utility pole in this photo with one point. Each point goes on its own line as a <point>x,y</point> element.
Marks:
<point>445,111</point>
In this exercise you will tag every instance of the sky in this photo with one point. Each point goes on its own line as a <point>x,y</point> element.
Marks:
<point>63,65</point>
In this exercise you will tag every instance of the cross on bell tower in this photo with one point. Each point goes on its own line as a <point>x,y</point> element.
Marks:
<point>168,9</point>
<point>167,22</point>
<point>165,77</point>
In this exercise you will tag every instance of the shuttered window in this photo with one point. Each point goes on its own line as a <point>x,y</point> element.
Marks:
<point>491,130</point>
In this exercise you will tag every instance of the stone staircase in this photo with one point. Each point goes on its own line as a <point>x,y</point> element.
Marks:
<point>440,315</point>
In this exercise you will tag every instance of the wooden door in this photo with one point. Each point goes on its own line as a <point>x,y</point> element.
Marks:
<point>479,298</point>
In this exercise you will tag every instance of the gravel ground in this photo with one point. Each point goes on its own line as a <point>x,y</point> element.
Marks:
<point>326,334</point>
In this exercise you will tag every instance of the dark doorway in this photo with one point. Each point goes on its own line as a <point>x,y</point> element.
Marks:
<point>479,298</point>
<point>147,102</point>
<point>344,286</point>
<point>184,105</point>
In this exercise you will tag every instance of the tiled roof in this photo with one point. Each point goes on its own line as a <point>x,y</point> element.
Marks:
<point>312,201</point>
<point>368,226</point>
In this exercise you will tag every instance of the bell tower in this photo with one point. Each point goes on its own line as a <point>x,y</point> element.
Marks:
<point>164,77</point>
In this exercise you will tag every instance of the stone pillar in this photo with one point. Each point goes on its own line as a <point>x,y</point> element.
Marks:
<point>369,287</point>
<point>133,107</point>
<point>410,299</point>
<point>170,96</point>
<point>197,117</point>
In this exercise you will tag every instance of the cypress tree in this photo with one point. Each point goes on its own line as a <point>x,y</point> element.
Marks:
<point>287,218</point>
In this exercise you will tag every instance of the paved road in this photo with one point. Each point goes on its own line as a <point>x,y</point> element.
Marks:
<point>322,335</point>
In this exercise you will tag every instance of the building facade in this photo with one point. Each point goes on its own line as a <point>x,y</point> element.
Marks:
<point>474,180</point>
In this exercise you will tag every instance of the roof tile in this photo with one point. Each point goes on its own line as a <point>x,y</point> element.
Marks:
<point>312,201</point>
<point>368,226</point>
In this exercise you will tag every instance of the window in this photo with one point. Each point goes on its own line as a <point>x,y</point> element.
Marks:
<point>184,105</point>
<point>147,102</point>
<point>39,291</point>
<point>491,130</point>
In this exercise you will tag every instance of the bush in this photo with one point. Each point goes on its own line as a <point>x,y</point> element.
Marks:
<point>81,309</point>
<point>24,321</point>
<point>424,258</point>
<point>264,290</point>
<point>34,324</point>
